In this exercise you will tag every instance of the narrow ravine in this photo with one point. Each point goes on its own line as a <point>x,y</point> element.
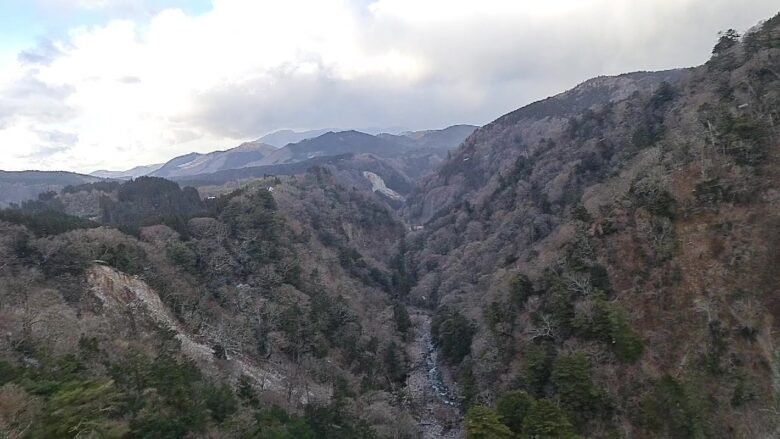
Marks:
<point>431,393</point>
<point>435,377</point>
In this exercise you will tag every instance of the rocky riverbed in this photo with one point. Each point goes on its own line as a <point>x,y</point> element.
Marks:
<point>430,389</point>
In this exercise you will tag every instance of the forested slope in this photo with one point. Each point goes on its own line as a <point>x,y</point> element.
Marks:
<point>612,266</point>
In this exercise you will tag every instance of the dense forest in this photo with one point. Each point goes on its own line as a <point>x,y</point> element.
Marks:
<point>598,264</point>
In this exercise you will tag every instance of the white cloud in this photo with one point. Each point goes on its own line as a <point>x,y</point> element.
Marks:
<point>139,91</point>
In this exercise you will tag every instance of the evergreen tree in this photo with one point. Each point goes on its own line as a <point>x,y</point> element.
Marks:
<point>483,423</point>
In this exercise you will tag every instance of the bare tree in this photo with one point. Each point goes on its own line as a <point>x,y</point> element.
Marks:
<point>547,328</point>
<point>579,283</point>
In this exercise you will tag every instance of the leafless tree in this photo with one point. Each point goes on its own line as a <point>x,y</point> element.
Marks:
<point>579,283</point>
<point>706,306</point>
<point>547,328</point>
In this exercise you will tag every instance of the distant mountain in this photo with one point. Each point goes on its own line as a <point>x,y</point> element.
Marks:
<point>195,163</point>
<point>383,145</point>
<point>602,263</point>
<point>138,171</point>
<point>447,138</point>
<point>414,153</point>
<point>285,137</point>
<point>332,143</point>
<point>19,186</point>
<point>444,139</point>
<point>353,164</point>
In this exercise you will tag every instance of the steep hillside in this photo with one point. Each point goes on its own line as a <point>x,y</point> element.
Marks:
<point>497,144</point>
<point>447,138</point>
<point>604,261</point>
<point>260,303</point>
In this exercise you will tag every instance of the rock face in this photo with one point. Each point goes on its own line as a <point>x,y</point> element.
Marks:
<point>378,185</point>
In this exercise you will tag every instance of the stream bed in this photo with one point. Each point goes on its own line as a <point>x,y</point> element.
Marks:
<point>431,392</point>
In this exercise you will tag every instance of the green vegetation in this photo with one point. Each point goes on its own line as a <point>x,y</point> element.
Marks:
<point>147,201</point>
<point>571,377</point>
<point>670,411</point>
<point>162,397</point>
<point>452,332</point>
<point>607,322</point>
<point>403,324</point>
<point>546,420</point>
<point>484,423</point>
<point>537,364</point>
<point>513,407</point>
<point>655,199</point>
<point>46,222</point>
<point>519,415</point>
<point>520,289</point>
<point>543,308</point>
<point>726,40</point>
<point>100,186</point>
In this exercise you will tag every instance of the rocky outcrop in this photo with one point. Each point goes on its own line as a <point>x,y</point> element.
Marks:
<point>121,293</point>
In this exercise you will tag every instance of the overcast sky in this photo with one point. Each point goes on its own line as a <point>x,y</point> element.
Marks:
<point>111,84</point>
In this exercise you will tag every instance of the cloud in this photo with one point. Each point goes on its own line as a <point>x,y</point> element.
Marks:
<point>52,145</point>
<point>130,80</point>
<point>42,54</point>
<point>142,88</point>
<point>27,97</point>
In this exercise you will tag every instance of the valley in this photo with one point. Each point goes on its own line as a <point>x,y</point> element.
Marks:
<point>600,263</point>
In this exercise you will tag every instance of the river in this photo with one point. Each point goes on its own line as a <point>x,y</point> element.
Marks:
<point>430,389</point>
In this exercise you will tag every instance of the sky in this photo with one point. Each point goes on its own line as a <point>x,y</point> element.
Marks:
<point>112,84</point>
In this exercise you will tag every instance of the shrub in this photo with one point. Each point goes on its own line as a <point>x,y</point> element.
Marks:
<point>468,383</point>
<point>46,222</point>
<point>483,423</point>
<point>513,407</point>
<point>537,364</point>
<point>452,332</point>
<point>609,323</point>
<point>547,420</point>
<point>626,343</point>
<point>276,423</point>
<point>221,402</point>
<point>669,411</point>
<point>746,139</point>
<point>499,318</point>
<point>726,40</point>
<point>571,377</point>
<point>401,318</point>
<point>654,198</point>
<point>394,363</point>
<point>82,408</point>
<point>520,289</point>
<point>183,256</point>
